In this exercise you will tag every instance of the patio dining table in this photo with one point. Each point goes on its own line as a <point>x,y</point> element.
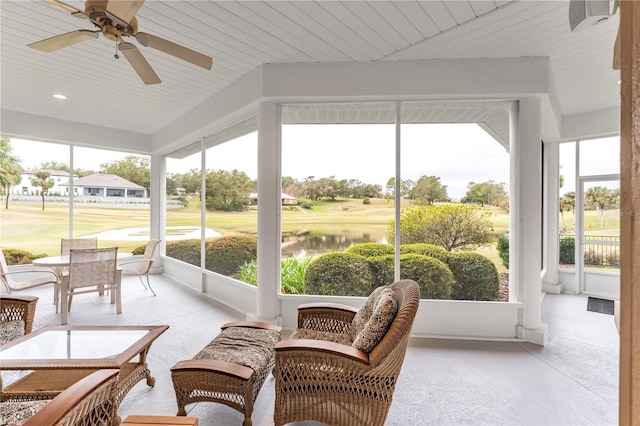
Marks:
<point>59,262</point>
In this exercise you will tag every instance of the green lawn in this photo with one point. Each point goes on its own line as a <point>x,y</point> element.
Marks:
<point>28,227</point>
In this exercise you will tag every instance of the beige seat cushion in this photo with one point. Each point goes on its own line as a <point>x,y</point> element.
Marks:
<point>372,321</point>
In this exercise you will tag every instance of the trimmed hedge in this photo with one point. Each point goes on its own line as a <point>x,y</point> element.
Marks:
<point>185,250</point>
<point>225,255</point>
<point>20,257</point>
<point>476,277</point>
<point>381,269</point>
<point>432,275</point>
<point>503,249</point>
<point>338,274</point>
<point>371,249</point>
<point>424,249</point>
<point>567,250</point>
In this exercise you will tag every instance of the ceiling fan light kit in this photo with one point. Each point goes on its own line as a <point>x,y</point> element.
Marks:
<point>116,20</point>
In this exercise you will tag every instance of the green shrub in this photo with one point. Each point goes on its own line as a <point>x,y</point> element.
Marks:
<point>366,200</point>
<point>475,275</point>
<point>432,275</point>
<point>20,257</point>
<point>292,274</point>
<point>452,226</point>
<point>382,269</point>
<point>503,249</point>
<point>225,255</point>
<point>140,249</point>
<point>424,249</point>
<point>248,273</point>
<point>370,249</point>
<point>567,250</point>
<point>338,274</point>
<point>185,250</point>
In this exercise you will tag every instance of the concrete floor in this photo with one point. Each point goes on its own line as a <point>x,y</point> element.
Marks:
<point>571,381</point>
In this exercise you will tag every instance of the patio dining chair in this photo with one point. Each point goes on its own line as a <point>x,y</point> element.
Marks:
<point>140,265</point>
<point>67,244</point>
<point>22,277</point>
<point>91,270</point>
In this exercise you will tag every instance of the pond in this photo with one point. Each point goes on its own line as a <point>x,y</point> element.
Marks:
<point>314,245</point>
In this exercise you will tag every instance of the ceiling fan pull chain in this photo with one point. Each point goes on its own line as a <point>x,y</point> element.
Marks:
<point>116,55</point>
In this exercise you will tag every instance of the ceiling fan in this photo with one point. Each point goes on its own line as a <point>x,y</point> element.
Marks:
<point>116,20</point>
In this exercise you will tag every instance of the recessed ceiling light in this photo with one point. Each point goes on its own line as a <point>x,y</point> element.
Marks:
<point>619,82</point>
<point>59,96</point>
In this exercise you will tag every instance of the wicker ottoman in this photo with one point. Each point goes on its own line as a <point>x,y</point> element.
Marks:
<point>230,370</point>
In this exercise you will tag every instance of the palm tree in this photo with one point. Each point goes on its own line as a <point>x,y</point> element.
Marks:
<point>9,168</point>
<point>42,181</point>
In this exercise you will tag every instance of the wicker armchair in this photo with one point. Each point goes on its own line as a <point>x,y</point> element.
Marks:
<point>336,383</point>
<point>16,316</point>
<point>88,402</point>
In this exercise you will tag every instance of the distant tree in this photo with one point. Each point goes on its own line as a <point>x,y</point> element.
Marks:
<point>490,193</point>
<point>406,186</point>
<point>451,226</point>
<point>228,190</point>
<point>54,165</point>
<point>132,168</point>
<point>428,190</point>
<point>171,185</point>
<point>567,204</point>
<point>601,197</point>
<point>292,187</point>
<point>42,180</point>
<point>191,181</point>
<point>10,168</point>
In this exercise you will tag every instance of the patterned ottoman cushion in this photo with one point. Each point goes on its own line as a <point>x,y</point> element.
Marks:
<point>11,330</point>
<point>15,413</point>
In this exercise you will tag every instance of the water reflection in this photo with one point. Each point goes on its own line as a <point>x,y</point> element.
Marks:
<point>314,245</point>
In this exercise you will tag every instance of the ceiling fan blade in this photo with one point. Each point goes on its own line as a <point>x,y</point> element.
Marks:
<point>139,63</point>
<point>123,10</point>
<point>64,40</point>
<point>174,49</point>
<point>63,6</point>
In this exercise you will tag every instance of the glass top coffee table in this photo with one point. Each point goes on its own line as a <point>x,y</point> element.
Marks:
<point>59,356</point>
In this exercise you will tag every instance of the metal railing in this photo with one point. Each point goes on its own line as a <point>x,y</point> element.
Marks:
<point>600,251</point>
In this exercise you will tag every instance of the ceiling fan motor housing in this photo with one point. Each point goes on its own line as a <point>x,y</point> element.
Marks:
<point>113,29</point>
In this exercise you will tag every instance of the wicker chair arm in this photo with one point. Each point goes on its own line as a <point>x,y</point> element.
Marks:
<point>17,299</point>
<point>213,365</point>
<point>84,399</point>
<point>331,317</point>
<point>293,347</point>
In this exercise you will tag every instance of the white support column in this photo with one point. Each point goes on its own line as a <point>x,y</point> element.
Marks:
<point>269,211</point>
<point>529,162</point>
<point>550,227</point>
<point>158,201</point>
<point>515,239</point>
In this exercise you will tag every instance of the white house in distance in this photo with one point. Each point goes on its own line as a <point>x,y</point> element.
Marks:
<point>60,182</point>
<point>287,200</point>
<point>103,185</point>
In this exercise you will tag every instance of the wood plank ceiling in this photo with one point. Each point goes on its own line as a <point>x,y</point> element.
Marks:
<point>242,35</point>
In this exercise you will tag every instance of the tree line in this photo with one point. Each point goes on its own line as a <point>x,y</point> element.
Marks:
<point>229,189</point>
